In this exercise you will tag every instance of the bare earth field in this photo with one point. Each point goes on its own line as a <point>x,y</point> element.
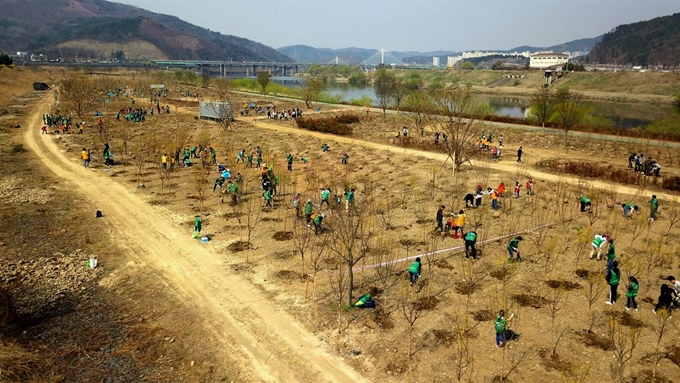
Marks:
<point>247,307</point>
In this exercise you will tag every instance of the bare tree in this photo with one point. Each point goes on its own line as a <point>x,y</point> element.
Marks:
<point>401,91</point>
<point>673,214</point>
<point>410,309</point>
<point>384,88</point>
<point>206,78</point>
<point>310,89</point>
<point>264,78</point>
<point>224,99</point>
<point>463,361</point>
<point>543,105</point>
<point>595,285</point>
<point>624,340</point>
<point>77,91</point>
<point>200,183</point>
<point>570,110</point>
<point>351,235</point>
<point>302,239</point>
<point>660,327</point>
<point>418,107</point>
<point>576,374</point>
<point>457,116</point>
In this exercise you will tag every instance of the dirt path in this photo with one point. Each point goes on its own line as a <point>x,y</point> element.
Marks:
<point>268,343</point>
<point>507,166</point>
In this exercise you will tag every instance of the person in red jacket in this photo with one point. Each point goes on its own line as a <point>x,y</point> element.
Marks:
<point>530,186</point>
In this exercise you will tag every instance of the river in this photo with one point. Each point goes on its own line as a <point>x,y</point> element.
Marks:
<point>627,115</point>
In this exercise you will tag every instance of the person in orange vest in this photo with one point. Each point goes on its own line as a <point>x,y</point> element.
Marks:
<point>501,189</point>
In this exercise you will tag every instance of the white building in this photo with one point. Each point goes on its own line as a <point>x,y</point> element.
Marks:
<point>452,60</point>
<point>546,60</point>
<point>435,61</point>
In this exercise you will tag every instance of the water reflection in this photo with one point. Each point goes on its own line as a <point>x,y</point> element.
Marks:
<point>626,115</point>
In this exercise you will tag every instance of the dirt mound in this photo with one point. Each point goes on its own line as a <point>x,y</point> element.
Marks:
<point>567,285</point>
<point>426,303</point>
<point>530,300</point>
<point>283,235</point>
<point>237,246</point>
<point>286,274</point>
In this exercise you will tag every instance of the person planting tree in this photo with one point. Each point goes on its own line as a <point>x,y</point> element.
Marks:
<point>470,244</point>
<point>598,244</point>
<point>513,248</point>
<point>500,325</point>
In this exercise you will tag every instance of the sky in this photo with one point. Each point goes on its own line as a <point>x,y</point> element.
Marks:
<point>412,25</point>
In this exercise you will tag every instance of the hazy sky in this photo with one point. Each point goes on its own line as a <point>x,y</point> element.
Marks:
<point>411,25</point>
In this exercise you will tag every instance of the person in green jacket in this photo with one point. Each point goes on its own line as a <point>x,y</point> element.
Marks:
<point>268,197</point>
<point>218,182</point>
<point>317,223</point>
<point>500,325</point>
<point>198,223</point>
<point>232,190</point>
<point>309,208</point>
<point>653,207</point>
<point>290,162</point>
<point>250,161</point>
<point>325,195</point>
<point>470,244</point>
<point>611,254</point>
<point>513,248</point>
<point>585,204</point>
<point>349,198</point>
<point>365,302</point>
<point>632,293</point>
<point>414,271</point>
<point>613,278</point>
<point>628,209</point>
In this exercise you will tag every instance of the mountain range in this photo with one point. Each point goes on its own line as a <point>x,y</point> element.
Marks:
<point>103,30</point>
<point>353,56</point>
<point>651,42</point>
<point>96,28</point>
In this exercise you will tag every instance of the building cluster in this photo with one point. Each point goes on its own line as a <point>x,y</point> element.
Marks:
<point>21,57</point>
<point>536,60</point>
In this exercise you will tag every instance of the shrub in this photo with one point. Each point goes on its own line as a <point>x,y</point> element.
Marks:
<point>339,125</point>
<point>608,172</point>
<point>18,148</point>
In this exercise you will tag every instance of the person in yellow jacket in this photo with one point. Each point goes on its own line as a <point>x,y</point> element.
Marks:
<point>460,223</point>
<point>86,158</point>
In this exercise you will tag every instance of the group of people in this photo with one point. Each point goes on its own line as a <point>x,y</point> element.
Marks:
<point>646,166</point>
<point>59,123</point>
<point>474,199</point>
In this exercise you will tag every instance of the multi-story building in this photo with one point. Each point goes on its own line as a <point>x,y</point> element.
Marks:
<point>547,60</point>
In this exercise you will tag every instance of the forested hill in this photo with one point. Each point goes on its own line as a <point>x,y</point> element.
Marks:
<point>653,42</point>
<point>95,28</point>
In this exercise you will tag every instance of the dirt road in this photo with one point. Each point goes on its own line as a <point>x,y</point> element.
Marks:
<point>508,166</point>
<point>269,344</point>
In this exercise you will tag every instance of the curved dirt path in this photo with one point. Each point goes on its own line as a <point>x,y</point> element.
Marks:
<point>268,343</point>
<point>506,166</point>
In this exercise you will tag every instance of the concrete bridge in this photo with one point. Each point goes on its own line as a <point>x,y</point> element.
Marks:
<point>234,68</point>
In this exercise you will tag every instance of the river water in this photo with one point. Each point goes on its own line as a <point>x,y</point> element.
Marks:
<point>627,115</point>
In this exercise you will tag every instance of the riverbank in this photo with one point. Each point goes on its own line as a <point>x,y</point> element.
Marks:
<point>645,87</point>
